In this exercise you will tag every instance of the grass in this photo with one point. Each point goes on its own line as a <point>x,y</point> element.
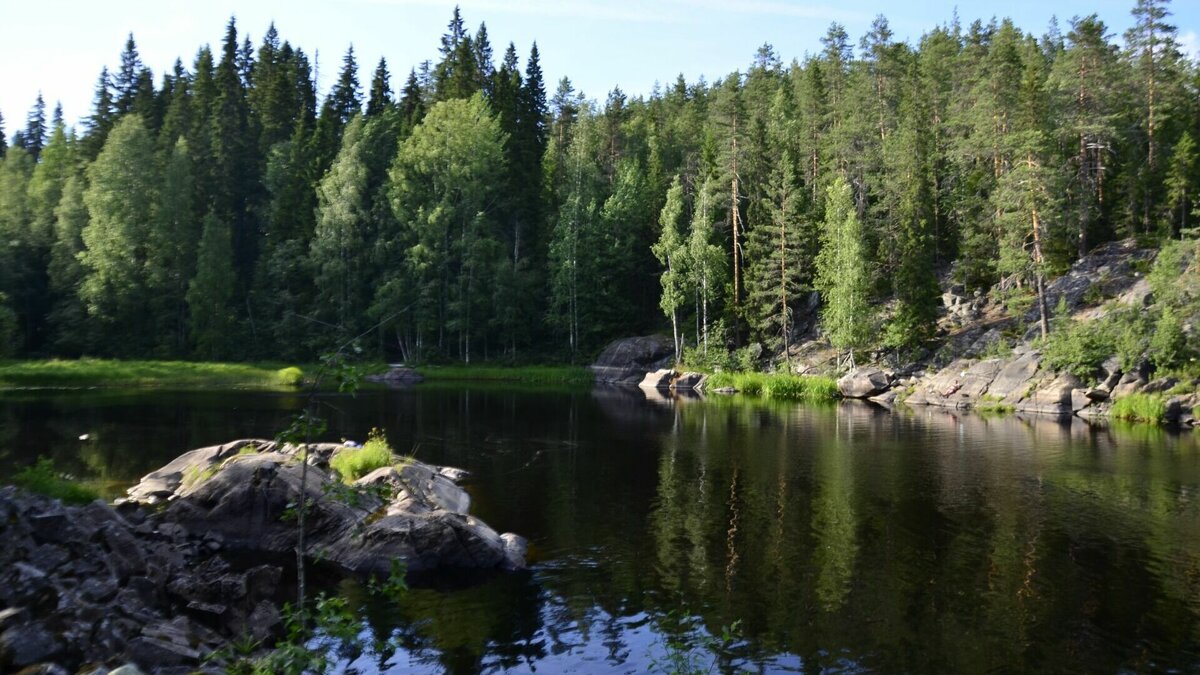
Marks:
<point>994,405</point>
<point>526,374</point>
<point>354,463</point>
<point>810,388</point>
<point>43,479</point>
<point>173,374</point>
<point>1149,408</point>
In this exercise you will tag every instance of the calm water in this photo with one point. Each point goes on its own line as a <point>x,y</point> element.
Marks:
<point>844,539</point>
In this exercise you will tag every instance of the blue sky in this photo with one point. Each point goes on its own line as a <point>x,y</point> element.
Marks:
<point>597,43</point>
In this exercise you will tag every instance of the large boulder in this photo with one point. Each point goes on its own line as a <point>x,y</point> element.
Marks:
<point>244,493</point>
<point>397,376</point>
<point>864,383</point>
<point>962,384</point>
<point>626,361</point>
<point>689,382</point>
<point>659,379</point>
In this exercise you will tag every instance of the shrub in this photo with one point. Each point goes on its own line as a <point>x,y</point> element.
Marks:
<point>1140,408</point>
<point>43,479</point>
<point>290,376</point>
<point>354,463</point>
<point>1079,348</point>
<point>1168,344</point>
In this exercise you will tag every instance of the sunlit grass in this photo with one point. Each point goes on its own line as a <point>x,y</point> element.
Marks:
<point>174,374</point>
<point>810,388</point>
<point>1140,408</point>
<point>354,463</point>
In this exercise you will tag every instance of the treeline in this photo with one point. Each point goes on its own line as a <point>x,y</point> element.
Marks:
<point>228,212</point>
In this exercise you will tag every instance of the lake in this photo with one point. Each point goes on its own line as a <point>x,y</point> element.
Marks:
<point>842,538</point>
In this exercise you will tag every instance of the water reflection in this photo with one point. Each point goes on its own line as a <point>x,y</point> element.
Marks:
<point>843,537</point>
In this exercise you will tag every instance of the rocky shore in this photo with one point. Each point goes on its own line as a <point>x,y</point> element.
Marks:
<point>198,555</point>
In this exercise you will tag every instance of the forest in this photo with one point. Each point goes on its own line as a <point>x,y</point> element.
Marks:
<point>469,211</point>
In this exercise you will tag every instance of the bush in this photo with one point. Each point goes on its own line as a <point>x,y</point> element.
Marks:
<point>43,479</point>
<point>1079,348</point>
<point>1168,344</point>
<point>354,463</point>
<point>290,376</point>
<point>1140,408</point>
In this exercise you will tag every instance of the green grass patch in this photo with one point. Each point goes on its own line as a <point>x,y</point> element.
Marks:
<point>43,479</point>
<point>810,388</point>
<point>993,404</point>
<point>64,373</point>
<point>1149,408</point>
<point>577,375</point>
<point>354,463</point>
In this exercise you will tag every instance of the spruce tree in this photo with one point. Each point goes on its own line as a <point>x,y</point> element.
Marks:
<point>211,292</point>
<point>35,129</point>
<point>380,99</point>
<point>3,139</point>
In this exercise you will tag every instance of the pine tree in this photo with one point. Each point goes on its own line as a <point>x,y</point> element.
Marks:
<point>1084,83</point>
<point>211,292</point>
<point>842,275</point>
<point>3,139</point>
<point>1154,54</point>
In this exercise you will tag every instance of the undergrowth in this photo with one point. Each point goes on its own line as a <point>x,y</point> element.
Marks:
<point>44,480</point>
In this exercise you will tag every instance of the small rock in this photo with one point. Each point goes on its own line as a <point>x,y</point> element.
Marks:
<point>1096,394</point>
<point>26,644</point>
<point>127,669</point>
<point>12,616</point>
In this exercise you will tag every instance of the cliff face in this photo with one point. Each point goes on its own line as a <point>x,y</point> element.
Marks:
<point>1106,343</point>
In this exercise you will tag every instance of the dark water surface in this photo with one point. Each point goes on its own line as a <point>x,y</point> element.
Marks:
<point>844,538</point>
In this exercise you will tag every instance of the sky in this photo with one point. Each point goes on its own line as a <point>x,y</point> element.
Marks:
<point>60,48</point>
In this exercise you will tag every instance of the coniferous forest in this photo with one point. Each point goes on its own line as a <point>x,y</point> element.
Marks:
<point>468,210</point>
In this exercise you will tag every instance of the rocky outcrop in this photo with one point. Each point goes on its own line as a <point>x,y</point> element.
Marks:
<point>397,376</point>
<point>244,491</point>
<point>94,585</point>
<point>151,581</point>
<point>864,383</point>
<point>626,361</point>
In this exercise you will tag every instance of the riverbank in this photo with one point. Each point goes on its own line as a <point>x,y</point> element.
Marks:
<point>573,375</point>
<point>81,373</point>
